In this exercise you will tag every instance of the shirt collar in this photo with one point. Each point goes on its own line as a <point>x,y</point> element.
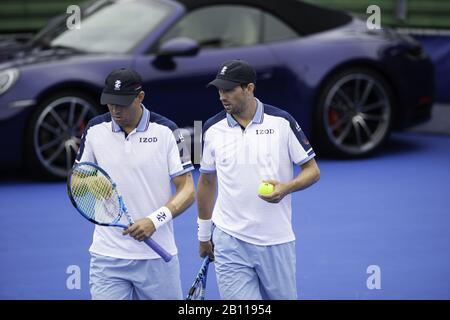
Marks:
<point>142,125</point>
<point>257,118</point>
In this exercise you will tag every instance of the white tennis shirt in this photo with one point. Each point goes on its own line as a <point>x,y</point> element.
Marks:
<point>242,158</point>
<point>142,165</point>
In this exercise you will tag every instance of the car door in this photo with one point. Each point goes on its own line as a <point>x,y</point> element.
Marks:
<point>223,32</point>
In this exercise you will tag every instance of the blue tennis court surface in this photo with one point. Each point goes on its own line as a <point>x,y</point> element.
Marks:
<point>375,228</point>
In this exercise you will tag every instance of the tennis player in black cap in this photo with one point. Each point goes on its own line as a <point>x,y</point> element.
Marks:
<point>245,145</point>
<point>140,151</point>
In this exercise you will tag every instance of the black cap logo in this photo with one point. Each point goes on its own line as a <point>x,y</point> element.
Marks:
<point>117,85</point>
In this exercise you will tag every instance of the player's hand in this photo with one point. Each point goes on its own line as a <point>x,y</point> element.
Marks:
<point>206,249</point>
<point>141,229</point>
<point>100,187</point>
<point>279,192</point>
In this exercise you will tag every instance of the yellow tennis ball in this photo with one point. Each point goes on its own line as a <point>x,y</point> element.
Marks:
<point>265,188</point>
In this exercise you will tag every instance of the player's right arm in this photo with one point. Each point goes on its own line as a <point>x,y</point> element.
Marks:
<point>206,196</point>
<point>78,185</point>
<point>80,181</point>
<point>206,192</point>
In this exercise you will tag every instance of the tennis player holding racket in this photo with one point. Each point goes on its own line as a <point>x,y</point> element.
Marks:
<point>141,152</point>
<point>248,143</point>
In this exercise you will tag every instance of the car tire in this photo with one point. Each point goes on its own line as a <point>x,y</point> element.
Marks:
<point>54,132</point>
<point>353,115</point>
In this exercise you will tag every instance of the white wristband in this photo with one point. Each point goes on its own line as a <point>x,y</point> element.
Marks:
<point>160,217</point>
<point>204,229</point>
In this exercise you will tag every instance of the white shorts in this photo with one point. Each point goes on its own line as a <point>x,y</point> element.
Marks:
<point>124,279</point>
<point>245,271</point>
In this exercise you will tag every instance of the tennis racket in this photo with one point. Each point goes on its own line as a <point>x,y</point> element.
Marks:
<point>95,196</point>
<point>197,290</point>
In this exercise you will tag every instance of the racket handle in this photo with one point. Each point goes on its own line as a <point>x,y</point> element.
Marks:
<point>158,249</point>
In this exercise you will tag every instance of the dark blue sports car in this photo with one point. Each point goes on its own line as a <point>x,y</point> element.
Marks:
<point>347,86</point>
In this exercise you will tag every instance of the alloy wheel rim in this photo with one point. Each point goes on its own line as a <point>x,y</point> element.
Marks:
<point>357,113</point>
<point>58,130</point>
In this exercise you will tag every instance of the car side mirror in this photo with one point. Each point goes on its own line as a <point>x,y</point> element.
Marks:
<point>179,47</point>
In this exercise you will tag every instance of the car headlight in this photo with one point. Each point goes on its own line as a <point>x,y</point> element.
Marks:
<point>7,79</point>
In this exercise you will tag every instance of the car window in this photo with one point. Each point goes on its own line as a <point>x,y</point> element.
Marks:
<point>276,30</point>
<point>108,29</point>
<point>219,26</point>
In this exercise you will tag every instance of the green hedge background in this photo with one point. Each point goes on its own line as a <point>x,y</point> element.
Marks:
<point>17,16</point>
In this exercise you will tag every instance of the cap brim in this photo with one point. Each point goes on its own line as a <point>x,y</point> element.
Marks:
<point>119,100</point>
<point>223,84</point>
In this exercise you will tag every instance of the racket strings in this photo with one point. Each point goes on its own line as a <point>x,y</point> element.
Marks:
<point>95,195</point>
<point>197,292</point>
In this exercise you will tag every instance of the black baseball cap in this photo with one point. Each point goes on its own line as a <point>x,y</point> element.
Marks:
<point>121,87</point>
<point>233,73</point>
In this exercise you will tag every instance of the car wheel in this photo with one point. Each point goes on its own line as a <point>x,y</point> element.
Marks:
<point>54,133</point>
<point>354,113</point>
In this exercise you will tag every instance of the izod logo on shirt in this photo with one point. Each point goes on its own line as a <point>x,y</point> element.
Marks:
<point>148,140</point>
<point>264,131</point>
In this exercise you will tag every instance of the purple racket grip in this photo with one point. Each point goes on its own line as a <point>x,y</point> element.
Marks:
<point>158,249</point>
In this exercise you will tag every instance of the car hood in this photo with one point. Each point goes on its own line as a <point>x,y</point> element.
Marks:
<point>10,46</point>
<point>25,56</point>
